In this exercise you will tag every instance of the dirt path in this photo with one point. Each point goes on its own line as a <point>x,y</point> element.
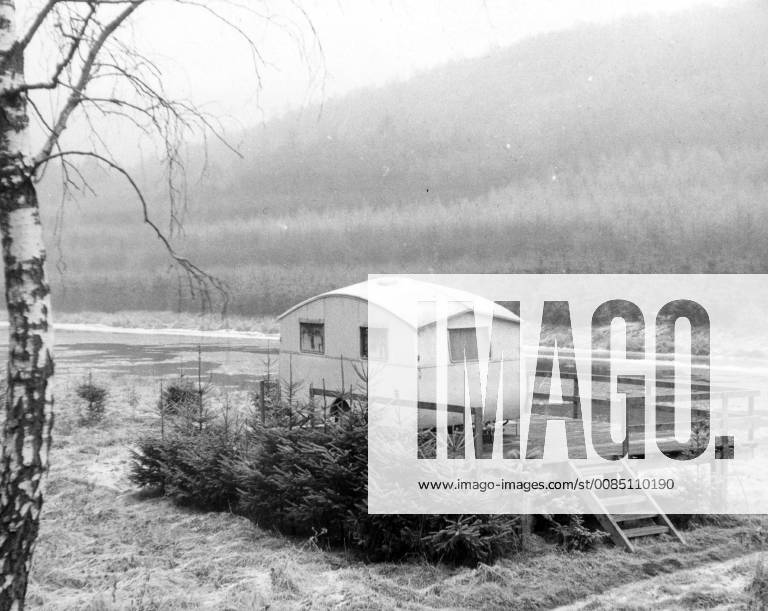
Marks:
<point>718,585</point>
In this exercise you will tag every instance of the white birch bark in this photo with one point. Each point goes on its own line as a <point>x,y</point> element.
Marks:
<point>26,431</point>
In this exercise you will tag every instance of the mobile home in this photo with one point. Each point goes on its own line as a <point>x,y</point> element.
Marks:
<point>326,344</point>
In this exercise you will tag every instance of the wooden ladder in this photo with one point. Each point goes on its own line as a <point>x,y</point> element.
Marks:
<point>650,520</point>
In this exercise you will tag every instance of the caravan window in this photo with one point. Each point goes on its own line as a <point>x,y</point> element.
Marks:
<point>312,337</point>
<point>463,344</point>
<point>378,343</point>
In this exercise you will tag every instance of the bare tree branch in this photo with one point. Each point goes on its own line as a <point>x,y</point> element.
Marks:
<point>36,23</point>
<point>256,55</point>
<point>75,41</point>
<point>85,75</point>
<point>195,274</point>
<point>101,74</point>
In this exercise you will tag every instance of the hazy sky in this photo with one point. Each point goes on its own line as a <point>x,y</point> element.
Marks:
<point>355,43</point>
<point>363,42</point>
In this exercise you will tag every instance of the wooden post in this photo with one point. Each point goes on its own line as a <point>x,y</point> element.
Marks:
<point>325,409</point>
<point>311,406</point>
<point>290,380</point>
<point>576,396</point>
<point>162,412</point>
<point>341,364</point>
<point>477,419</point>
<point>200,386</point>
<point>262,403</point>
<point>627,411</point>
<point>526,528</point>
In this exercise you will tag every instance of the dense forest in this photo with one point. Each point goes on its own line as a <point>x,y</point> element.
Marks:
<point>640,146</point>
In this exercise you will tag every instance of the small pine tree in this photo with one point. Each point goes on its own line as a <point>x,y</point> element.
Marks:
<point>574,536</point>
<point>95,397</point>
<point>308,481</point>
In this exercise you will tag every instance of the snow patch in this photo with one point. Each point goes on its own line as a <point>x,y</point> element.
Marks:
<point>219,333</point>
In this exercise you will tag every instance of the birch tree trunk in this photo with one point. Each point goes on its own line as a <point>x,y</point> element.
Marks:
<point>29,403</point>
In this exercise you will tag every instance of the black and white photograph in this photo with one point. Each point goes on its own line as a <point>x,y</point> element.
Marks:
<point>384,304</point>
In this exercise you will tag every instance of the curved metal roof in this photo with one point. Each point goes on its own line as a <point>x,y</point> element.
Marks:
<point>395,294</point>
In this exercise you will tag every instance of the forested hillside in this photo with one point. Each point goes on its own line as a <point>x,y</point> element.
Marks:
<point>640,146</point>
